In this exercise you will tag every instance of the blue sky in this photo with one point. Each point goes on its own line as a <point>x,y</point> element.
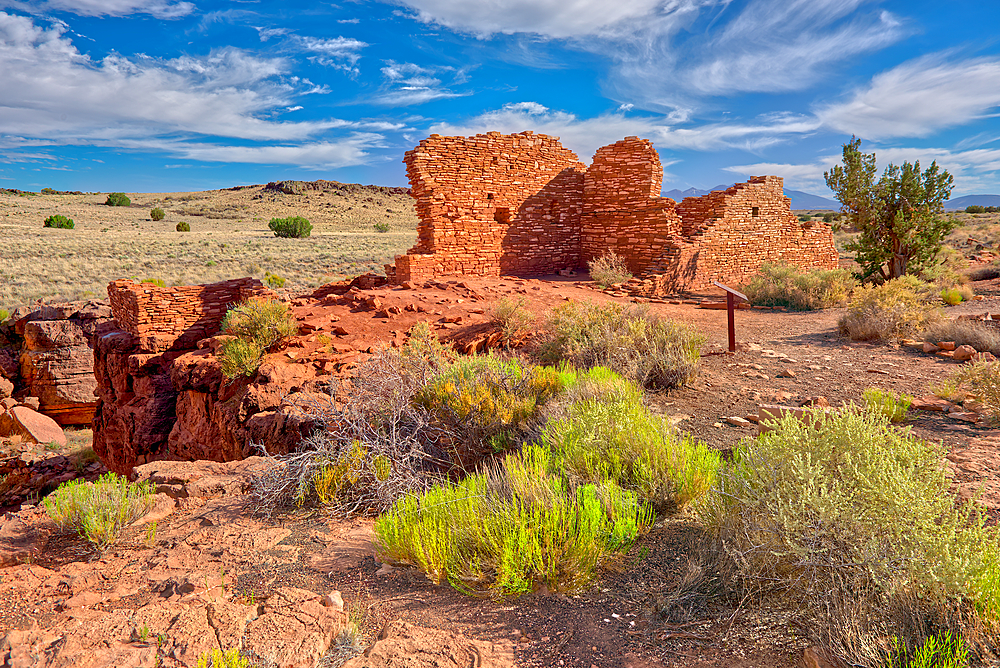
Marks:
<point>166,95</point>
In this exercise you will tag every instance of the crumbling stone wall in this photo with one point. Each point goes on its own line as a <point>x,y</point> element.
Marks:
<point>493,204</point>
<point>522,204</point>
<point>179,316</point>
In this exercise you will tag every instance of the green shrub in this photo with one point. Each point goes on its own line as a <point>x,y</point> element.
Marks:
<point>48,191</point>
<point>888,404</point>
<point>804,218</point>
<point>295,227</point>
<point>852,520</point>
<point>118,199</point>
<point>896,309</point>
<point>158,282</point>
<point>609,269</point>
<point>511,318</point>
<point>830,217</point>
<point>382,227</point>
<point>4,315</point>
<point>513,528</point>
<point>488,403</point>
<point>157,214</point>
<point>612,435</point>
<point>653,352</point>
<point>57,221</point>
<point>942,650</point>
<point>258,324</point>
<point>787,285</point>
<point>982,380</point>
<point>216,658</point>
<point>974,208</point>
<point>951,296</point>
<point>183,227</point>
<point>273,280</point>
<point>101,510</point>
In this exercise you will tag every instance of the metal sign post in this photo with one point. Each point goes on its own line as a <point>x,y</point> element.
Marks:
<point>731,297</point>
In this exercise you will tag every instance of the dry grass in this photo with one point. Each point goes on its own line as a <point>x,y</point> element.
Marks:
<point>966,333</point>
<point>229,238</point>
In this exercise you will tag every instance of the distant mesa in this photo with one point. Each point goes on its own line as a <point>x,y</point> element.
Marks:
<point>960,203</point>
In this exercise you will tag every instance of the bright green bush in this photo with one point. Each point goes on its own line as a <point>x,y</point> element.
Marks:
<point>182,227</point>
<point>101,510</point>
<point>942,650</point>
<point>888,404</point>
<point>489,403</point>
<point>257,324</point>
<point>295,227</point>
<point>57,221</point>
<point>4,314</point>
<point>157,214</point>
<point>609,269</point>
<point>896,309</point>
<point>382,227</point>
<point>118,199</point>
<point>951,296</point>
<point>853,520</point>
<point>654,352</point>
<point>612,435</point>
<point>158,282</point>
<point>517,526</point>
<point>273,280</point>
<point>216,658</point>
<point>787,285</point>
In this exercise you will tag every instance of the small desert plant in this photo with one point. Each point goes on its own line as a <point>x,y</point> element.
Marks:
<point>61,222</point>
<point>786,285</point>
<point>490,404</point>
<point>295,227</point>
<point>519,525</point>
<point>382,227</point>
<point>853,520</point>
<point>982,379</point>
<point>951,296</point>
<point>896,309</point>
<point>273,280</point>
<point>216,658</point>
<point>612,435</point>
<point>4,314</point>
<point>182,227</point>
<point>609,269</point>
<point>653,352</point>
<point>118,199</point>
<point>942,650</point>
<point>101,510</point>
<point>979,335</point>
<point>511,318</point>
<point>158,282</point>
<point>157,214</point>
<point>257,324</point>
<point>889,404</point>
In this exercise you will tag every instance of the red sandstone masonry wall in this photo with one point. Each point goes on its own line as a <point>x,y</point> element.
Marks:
<point>725,241</point>
<point>190,312</point>
<point>493,204</point>
<point>622,208</point>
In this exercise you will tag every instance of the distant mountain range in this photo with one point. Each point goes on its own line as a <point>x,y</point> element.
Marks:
<point>972,200</point>
<point>800,200</point>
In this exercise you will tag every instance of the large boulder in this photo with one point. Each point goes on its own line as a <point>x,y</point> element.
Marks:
<point>31,426</point>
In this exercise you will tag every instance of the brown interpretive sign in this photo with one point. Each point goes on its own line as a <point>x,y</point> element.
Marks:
<point>731,297</point>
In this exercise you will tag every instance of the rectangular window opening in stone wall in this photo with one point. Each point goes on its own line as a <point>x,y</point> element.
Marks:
<point>489,196</point>
<point>755,211</point>
<point>502,215</point>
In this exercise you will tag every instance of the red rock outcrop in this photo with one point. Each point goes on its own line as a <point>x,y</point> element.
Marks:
<point>522,204</point>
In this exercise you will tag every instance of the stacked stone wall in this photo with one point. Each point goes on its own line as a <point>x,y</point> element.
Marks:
<point>187,313</point>
<point>493,204</point>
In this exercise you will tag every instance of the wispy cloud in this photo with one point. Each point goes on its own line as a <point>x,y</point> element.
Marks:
<point>161,9</point>
<point>918,98</point>
<point>406,84</point>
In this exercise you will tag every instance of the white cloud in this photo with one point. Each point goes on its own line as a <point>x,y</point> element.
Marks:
<point>918,98</point>
<point>586,135</point>
<point>54,95</point>
<point>347,152</point>
<point>337,51</point>
<point>406,84</point>
<point>162,9</point>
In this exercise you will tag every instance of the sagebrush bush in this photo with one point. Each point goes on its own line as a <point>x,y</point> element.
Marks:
<point>216,658</point>
<point>889,404</point>
<point>257,324</point>
<point>609,269</point>
<point>519,525</point>
<point>951,296</point>
<point>382,227</point>
<point>273,280</point>
<point>490,404</point>
<point>853,520</point>
<point>973,333</point>
<point>982,379</point>
<point>99,511</point>
<point>118,199</point>
<point>295,227</point>
<point>654,352</point>
<point>606,432</point>
<point>58,221</point>
<point>157,214</point>
<point>511,318</point>
<point>896,309</point>
<point>182,227</point>
<point>787,285</point>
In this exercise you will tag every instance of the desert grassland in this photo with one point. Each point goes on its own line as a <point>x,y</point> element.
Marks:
<point>229,238</point>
